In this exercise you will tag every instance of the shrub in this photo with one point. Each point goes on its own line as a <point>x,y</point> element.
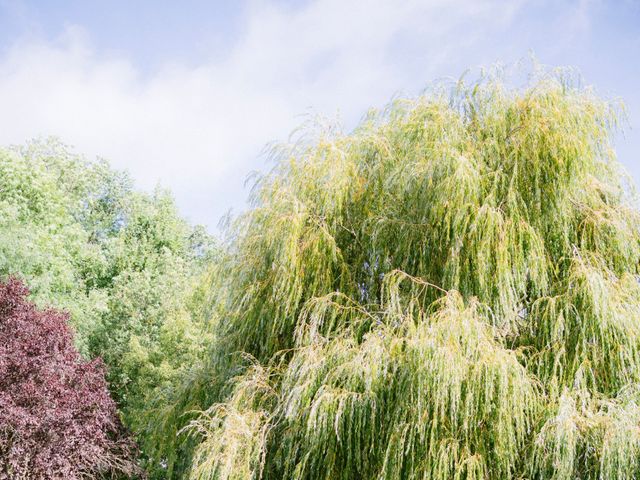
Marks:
<point>57,419</point>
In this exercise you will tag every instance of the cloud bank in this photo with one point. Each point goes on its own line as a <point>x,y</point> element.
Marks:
<point>200,129</point>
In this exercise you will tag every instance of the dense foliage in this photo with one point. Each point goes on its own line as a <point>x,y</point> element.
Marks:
<point>57,419</point>
<point>449,291</point>
<point>125,265</point>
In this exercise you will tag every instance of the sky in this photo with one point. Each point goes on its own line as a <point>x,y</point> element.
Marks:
<point>188,94</point>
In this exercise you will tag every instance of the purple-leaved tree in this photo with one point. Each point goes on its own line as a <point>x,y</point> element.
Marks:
<point>57,420</point>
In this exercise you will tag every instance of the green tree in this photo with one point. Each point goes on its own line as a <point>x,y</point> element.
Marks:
<point>56,212</point>
<point>448,291</point>
<point>125,265</point>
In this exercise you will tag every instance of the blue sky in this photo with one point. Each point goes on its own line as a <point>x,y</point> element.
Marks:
<point>187,94</point>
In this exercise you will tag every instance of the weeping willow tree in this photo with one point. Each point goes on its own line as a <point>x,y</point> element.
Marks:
<point>450,291</point>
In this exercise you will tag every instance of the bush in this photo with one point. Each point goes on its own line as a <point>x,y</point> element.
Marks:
<point>57,419</point>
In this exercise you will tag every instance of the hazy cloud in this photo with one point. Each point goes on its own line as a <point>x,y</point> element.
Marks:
<point>200,129</point>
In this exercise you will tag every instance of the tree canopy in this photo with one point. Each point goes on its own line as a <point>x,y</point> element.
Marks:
<point>124,264</point>
<point>448,291</point>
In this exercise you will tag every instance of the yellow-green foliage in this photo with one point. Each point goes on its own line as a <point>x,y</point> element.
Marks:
<point>449,291</point>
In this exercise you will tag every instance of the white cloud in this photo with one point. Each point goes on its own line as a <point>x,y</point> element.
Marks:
<point>199,130</point>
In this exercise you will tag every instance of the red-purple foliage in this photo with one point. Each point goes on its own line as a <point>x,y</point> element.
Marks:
<point>57,420</point>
